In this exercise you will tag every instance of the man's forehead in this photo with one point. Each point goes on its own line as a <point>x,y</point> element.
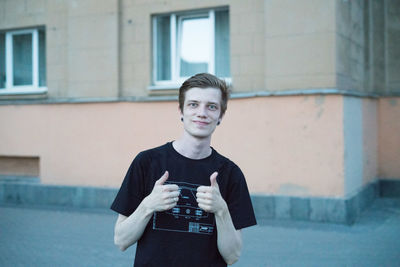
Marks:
<point>208,94</point>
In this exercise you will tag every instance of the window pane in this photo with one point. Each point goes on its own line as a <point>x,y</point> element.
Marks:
<point>22,59</point>
<point>2,60</point>
<point>195,46</point>
<point>163,48</point>
<point>42,58</point>
<point>222,49</point>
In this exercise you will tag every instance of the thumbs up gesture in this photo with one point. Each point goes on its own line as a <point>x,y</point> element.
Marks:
<point>163,196</point>
<point>209,197</point>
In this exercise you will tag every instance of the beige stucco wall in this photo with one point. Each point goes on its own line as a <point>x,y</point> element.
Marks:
<point>284,145</point>
<point>299,45</point>
<point>81,43</point>
<point>103,48</point>
<point>389,138</point>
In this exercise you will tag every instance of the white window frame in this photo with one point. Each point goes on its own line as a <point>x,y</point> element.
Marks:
<point>175,37</point>
<point>22,89</point>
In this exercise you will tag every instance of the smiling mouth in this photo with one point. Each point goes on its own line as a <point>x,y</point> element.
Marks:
<point>202,123</point>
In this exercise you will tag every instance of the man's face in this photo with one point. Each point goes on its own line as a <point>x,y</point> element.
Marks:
<point>201,111</point>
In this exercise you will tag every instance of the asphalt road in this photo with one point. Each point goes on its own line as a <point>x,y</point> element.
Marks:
<point>47,236</point>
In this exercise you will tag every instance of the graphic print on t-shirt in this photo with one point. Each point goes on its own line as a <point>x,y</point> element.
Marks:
<point>186,216</point>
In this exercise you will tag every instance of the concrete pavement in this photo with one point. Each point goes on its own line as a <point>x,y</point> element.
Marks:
<point>47,236</point>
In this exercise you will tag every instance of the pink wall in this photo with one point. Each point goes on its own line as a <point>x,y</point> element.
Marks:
<point>389,138</point>
<point>290,145</point>
<point>286,145</point>
<point>85,144</point>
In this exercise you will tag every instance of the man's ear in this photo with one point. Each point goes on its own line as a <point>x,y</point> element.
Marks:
<point>180,113</point>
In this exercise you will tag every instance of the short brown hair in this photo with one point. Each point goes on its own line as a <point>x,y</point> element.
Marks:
<point>205,80</point>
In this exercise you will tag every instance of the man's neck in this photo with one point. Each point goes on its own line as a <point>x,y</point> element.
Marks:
<point>192,147</point>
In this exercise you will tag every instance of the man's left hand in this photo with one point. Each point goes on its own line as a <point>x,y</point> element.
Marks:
<point>209,197</point>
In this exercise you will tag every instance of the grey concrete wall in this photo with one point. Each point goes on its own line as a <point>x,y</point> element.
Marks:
<point>392,21</point>
<point>350,45</point>
<point>377,65</point>
<point>368,46</point>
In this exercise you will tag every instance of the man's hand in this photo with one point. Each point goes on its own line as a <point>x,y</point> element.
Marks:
<point>209,197</point>
<point>163,196</point>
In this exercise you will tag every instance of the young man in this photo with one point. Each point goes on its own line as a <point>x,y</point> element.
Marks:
<point>183,203</point>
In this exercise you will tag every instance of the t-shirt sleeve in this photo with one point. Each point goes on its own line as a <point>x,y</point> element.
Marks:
<point>239,201</point>
<point>131,193</point>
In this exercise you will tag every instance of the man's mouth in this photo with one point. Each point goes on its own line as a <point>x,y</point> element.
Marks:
<point>202,123</point>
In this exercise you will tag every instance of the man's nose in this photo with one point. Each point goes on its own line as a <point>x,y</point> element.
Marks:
<point>202,111</point>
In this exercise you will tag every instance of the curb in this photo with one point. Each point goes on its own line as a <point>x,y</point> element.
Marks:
<point>316,209</point>
<point>266,207</point>
<point>20,193</point>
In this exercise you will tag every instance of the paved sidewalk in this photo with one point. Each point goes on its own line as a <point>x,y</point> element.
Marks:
<point>51,237</point>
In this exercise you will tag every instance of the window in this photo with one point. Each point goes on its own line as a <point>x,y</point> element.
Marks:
<point>188,43</point>
<point>23,61</point>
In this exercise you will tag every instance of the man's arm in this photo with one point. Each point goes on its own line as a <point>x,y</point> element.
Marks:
<point>128,230</point>
<point>229,240</point>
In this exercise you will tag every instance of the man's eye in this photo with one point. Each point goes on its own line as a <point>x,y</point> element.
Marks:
<point>213,107</point>
<point>192,105</point>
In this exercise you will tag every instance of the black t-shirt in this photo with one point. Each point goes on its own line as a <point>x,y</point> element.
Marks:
<point>184,235</point>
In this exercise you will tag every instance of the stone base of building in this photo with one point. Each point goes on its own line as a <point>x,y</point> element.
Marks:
<point>267,207</point>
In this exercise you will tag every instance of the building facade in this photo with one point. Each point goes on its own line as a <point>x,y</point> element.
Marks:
<point>315,107</point>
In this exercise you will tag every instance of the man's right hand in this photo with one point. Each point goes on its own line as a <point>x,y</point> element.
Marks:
<point>163,196</point>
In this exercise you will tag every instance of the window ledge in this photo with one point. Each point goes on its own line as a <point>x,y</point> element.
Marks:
<point>177,84</point>
<point>169,86</point>
<point>24,91</point>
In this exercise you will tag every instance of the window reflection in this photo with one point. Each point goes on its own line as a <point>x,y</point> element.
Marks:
<point>22,56</point>
<point>195,46</point>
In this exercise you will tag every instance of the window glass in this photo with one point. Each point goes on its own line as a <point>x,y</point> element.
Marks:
<point>194,46</point>
<point>189,43</point>
<point>222,49</point>
<point>2,60</point>
<point>42,58</point>
<point>163,44</point>
<point>22,59</point>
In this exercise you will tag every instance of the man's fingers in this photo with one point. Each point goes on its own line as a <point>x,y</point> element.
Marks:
<point>172,200</point>
<point>204,189</point>
<point>203,195</point>
<point>163,178</point>
<point>171,187</point>
<point>204,201</point>
<point>213,179</point>
<point>172,194</point>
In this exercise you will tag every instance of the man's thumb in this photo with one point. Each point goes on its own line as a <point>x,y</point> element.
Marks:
<point>163,178</point>
<point>213,179</point>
